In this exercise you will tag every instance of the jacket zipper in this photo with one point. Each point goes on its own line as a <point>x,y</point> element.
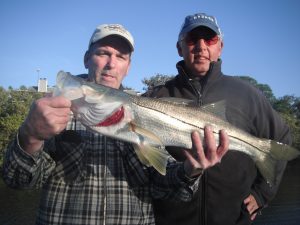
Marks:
<point>202,200</point>
<point>195,90</point>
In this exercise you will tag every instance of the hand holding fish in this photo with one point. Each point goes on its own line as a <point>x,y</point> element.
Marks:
<point>47,117</point>
<point>201,159</point>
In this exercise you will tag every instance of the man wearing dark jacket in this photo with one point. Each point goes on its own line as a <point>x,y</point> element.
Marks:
<point>232,192</point>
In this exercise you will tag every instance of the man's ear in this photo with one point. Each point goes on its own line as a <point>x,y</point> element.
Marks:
<point>179,49</point>
<point>86,59</point>
<point>221,48</point>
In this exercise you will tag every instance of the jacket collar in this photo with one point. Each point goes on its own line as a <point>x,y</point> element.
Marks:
<point>213,73</point>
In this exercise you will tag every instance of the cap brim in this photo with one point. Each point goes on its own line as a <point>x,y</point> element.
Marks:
<point>195,25</point>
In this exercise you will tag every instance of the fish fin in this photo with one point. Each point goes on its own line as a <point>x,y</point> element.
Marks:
<point>277,152</point>
<point>282,151</point>
<point>180,101</point>
<point>150,155</point>
<point>267,168</point>
<point>217,108</point>
<point>146,133</point>
<point>156,156</point>
<point>141,156</point>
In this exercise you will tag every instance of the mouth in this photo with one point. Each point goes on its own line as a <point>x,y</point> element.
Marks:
<point>106,75</point>
<point>201,59</point>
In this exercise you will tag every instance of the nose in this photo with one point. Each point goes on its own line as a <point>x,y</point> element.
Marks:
<point>200,44</point>
<point>111,62</point>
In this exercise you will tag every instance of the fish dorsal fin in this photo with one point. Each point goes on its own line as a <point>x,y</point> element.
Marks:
<point>217,108</point>
<point>180,101</point>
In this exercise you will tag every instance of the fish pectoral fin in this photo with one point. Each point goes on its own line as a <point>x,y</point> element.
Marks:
<point>141,157</point>
<point>153,156</point>
<point>146,134</point>
<point>150,154</point>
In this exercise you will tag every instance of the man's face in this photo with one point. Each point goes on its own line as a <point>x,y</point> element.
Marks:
<point>108,61</point>
<point>198,48</point>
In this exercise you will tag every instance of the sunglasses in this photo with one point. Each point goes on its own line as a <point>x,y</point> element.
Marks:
<point>209,39</point>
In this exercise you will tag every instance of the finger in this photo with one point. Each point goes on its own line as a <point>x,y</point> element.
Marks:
<point>198,147</point>
<point>62,112</point>
<point>210,143</point>
<point>59,102</point>
<point>253,216</point>
<point>223,144</point>
<point>250,208</point>
<point>60,120</point>
<point>190,157</point>
<point>247,200</point>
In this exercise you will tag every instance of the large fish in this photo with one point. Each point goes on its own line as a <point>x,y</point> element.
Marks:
<point>151,124</point>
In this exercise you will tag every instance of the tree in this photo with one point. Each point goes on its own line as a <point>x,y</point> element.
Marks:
<point>289,108</point>
<point>14,106</point>
<point>155,80</point>
<point>288,104</point>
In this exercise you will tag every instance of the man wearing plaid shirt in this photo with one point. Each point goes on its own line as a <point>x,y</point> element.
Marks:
<point>88,178</point>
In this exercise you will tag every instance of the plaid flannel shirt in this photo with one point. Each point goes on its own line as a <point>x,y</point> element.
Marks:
<point>88,178</point>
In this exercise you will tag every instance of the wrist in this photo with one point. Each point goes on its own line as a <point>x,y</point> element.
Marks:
<point>27,141</point>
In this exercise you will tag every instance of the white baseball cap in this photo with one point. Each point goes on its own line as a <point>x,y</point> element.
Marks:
<point>105,30</point>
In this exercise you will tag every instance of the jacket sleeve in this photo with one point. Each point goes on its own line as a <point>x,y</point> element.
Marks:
<point>21,170</point>
<point>269,125</point>
<point>174,185</point>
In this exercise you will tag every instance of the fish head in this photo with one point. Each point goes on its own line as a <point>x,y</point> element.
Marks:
<point>92,104</point>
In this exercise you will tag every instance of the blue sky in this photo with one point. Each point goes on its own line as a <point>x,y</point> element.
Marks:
<point>261,38</point>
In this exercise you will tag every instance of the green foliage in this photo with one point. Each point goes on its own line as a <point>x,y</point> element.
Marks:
<point>289,108</point>
<point>294,124</point>
<point>288,104</point>
<point>14,106</point>
<point>155,80</point>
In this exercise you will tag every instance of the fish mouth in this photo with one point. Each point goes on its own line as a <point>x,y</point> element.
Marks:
<point>113,119</point>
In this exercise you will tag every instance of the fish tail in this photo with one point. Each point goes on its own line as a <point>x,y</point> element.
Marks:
<point>267,168</point>
<point>153,156</point>
<point>276,152</point>
<point>282,151</point>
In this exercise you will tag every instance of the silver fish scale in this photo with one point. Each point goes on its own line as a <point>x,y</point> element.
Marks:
<point>196,118</point>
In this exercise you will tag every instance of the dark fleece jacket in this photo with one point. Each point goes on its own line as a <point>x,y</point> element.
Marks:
<point>224,187</point>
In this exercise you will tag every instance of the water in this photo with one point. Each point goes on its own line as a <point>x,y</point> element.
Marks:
<point>19,207</point>
<point>285,207</point>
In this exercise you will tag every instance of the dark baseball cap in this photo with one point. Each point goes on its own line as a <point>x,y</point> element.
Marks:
<point>197,20</point>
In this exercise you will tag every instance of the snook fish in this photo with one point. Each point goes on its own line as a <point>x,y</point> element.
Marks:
<point>151,124</point>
